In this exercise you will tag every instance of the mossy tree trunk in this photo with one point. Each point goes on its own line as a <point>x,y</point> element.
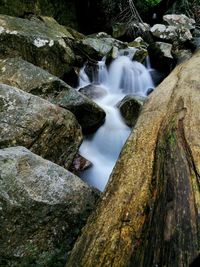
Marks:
<point>149,214</point>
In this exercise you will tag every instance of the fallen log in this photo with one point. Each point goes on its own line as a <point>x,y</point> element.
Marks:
<point>149,214</point>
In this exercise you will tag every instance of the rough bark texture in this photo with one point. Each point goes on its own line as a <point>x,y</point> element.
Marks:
<point>149,212</point>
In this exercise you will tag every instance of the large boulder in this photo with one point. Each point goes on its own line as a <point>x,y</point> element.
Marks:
<point>180,20</point>
<point>46,129</point>
<point>149,211</point>
<point>98,45</point>
<point>42,209</point>
<point>24,75</point>
<point>38,42</point>
<point>171,33</point>
<point>161,56</point>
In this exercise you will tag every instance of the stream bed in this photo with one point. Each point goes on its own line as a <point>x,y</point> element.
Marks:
<point>102,149</point>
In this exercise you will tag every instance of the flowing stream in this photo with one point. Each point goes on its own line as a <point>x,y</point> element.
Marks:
<point>103,148</point>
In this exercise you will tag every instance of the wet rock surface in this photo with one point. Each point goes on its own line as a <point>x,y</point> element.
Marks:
<point>80,164</point>
<point>93,91</point>
<point>130,108</point>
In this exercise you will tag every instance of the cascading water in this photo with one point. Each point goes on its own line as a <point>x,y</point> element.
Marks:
<point>103,148</point>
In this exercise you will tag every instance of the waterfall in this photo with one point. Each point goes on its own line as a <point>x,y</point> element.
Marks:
<point>103,148</point>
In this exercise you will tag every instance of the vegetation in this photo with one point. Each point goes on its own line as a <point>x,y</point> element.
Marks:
<point>152,2</point>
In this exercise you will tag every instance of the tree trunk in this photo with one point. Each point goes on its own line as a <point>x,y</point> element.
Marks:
<point>149,214</point>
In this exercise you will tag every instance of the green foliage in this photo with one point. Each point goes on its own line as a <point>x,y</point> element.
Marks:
<point>152,2</point>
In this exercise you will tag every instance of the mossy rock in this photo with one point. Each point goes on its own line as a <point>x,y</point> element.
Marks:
<point>130,108</point>
<point>45,44</point>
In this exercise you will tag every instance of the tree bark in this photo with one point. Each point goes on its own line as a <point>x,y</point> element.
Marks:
<point>149,214</point>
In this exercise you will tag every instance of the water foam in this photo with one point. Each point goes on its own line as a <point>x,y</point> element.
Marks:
<point>103,148</point>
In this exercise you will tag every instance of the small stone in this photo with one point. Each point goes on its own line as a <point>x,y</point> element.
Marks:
<point>93,91</point>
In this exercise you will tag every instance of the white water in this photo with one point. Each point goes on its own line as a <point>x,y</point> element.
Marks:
<point>103,148</point>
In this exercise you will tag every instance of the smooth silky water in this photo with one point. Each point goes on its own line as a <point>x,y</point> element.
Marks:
<point>103,148</point>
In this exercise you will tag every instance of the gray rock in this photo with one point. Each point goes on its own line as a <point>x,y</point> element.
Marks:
<point>93,91</point>
<point>195,43</point>
<point>24,75</point>
<point>161,56</point>
<point>182,55</point>
<point>171,33</point>
<point>179,20</point>
<point>44,44</point>
<point>99,45</point>
<point>46,129</point>
<point>130,107</point>
<point>42,209</point>
<point>165,49</point>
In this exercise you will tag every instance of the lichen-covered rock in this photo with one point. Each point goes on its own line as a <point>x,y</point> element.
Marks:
<point>99,45</point>
<point>46,129</point>
<point>130,107</point>
<point>179,20</point>
<point>171,33</point>
<point>24,75</point>
<point>42,209</point>
<point>44,45</point>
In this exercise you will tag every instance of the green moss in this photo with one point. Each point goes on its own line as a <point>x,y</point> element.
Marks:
<point>152,2</point>
<point>1,105</point>
<point>171,137</point>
